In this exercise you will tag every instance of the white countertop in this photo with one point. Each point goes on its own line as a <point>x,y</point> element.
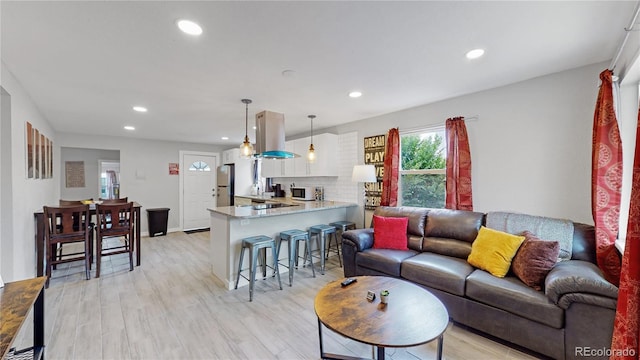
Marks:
<point>300,207</point>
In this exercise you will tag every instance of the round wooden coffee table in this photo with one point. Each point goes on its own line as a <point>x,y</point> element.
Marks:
<point>412,316</point>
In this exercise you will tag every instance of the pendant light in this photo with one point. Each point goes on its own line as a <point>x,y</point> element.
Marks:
<point>246,149</point>
<point>311,155</point>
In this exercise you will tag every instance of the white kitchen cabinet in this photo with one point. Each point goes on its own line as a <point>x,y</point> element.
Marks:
<point>300,146</point>
<point>230,156</point>
<point>326,149</point>
<point>243,176</point>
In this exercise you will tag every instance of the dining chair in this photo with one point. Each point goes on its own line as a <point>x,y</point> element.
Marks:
<point>113,201</point>
<point>114,237</point>
<point>57,249</point>
<point>66,225</point>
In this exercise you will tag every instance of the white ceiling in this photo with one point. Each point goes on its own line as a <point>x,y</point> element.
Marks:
<point>85,64</point>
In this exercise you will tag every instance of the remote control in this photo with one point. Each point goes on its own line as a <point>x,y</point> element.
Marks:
<point>348,281</point>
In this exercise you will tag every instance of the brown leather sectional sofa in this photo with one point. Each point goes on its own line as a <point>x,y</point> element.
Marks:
<point>571,318</point>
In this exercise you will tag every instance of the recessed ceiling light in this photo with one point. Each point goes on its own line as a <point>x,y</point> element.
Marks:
<point>355,94</point>
<point>254,128</point>
<point>130,128</point>
<point>475,53</point>
<point>140,108</point>
<point>189,27</point>
<point>225,138</point>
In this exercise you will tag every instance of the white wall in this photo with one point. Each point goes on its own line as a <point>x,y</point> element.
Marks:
<point>530,147</point>
<point>629,57</point>
<point>91,158</point>
<point>6,195</point>
<point>18,261</point>
<point>144,169</point>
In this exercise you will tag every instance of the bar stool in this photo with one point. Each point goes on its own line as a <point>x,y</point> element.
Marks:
<point>293,237</point>
<point>342,226</point>
<point>257,244</point>
<point>323,232</point>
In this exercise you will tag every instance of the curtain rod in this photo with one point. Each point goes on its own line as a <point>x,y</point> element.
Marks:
<point>627,30</point>
<point>432,126</point>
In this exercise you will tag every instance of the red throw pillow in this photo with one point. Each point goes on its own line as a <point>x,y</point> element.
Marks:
<point>390,232</point>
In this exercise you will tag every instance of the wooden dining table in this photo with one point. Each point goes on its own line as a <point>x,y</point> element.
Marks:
<point>41,256</point>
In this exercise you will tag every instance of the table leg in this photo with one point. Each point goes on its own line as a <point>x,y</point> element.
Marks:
<point>137,249</point>
<point>380,352</point>
<point>440,340</point>
<point>38,322</point>
<point>320,338</point>
<point>40,248</point>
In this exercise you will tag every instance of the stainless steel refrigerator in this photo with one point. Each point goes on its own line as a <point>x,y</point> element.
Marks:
<point>225,185</point>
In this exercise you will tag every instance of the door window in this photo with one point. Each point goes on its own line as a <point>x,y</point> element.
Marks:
<point>199,166</point>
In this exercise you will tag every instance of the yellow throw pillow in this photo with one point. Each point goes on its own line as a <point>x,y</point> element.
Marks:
<point>493,250</point>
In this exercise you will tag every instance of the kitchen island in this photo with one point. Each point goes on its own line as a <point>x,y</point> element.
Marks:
<point>230,224</point>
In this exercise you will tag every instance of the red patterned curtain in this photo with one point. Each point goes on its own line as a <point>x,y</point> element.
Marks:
<point>391,169</point>
<point>626,329</point>
<point>606,180</point>
<point>459,195</point>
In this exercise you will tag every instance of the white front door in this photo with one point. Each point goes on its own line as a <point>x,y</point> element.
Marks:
<point>199,184</point>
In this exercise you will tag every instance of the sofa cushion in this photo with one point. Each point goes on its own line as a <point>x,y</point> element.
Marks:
<point>493,251</point>
<point>390,232</point>
<point>449,247</point>
<point>534,260</point>
<point>383,260</point>
<point>437,271</point>
<point>584,244</point>
<point>416,217</point>
<point>512,295</point>
<point>453,224</point>
<point>545,228</point>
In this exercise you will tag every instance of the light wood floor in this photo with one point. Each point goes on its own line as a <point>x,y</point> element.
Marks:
<point>172,307</point>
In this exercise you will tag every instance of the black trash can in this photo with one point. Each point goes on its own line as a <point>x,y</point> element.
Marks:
<point>158,218</point>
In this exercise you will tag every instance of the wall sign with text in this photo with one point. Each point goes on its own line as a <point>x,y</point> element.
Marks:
<point>174,169</point>
<point>374,147</point>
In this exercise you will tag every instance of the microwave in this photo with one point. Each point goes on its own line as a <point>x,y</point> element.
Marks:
<point>303,193</point>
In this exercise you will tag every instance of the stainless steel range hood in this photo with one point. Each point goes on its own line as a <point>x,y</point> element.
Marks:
<point>270,136</point>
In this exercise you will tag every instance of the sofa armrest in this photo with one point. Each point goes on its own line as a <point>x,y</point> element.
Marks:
<point>579,281</point>
<point>361,239</point>
<point>589,299</point>
<point>353,242</point>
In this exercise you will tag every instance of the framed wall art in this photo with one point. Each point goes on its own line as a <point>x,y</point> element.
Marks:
<point>38,154</point>
<point>74,174</point>
<point>374,149</point>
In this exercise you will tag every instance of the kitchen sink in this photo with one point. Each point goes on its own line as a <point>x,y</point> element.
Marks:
<point>269,206</point>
